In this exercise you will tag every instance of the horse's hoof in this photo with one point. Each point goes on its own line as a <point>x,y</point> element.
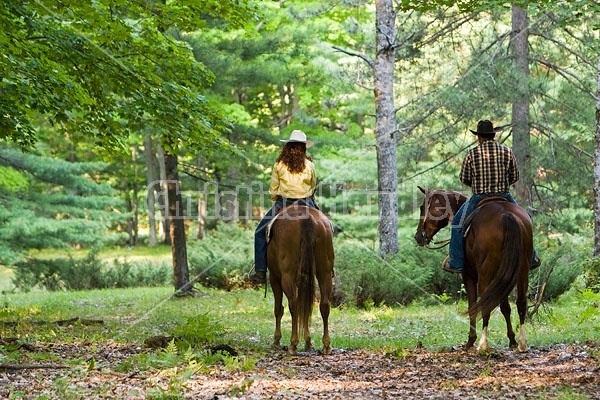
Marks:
<point>326,351</point>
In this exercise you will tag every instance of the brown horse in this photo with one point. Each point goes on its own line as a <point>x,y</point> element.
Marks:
<point>300,250</point>
<point>498,253</point>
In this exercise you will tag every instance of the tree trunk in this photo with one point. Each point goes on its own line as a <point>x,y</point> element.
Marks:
<point>131,207</point>
<point>520,106</point>
<point>152,187</point>
<point>201,219</point>
<point>181,275</point>
<point>163,200</point>
<point>597,171</point>
<point>229,202</point>
<point>385,130</point>
<point>131,202</point>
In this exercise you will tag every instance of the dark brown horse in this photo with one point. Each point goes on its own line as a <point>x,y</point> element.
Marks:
<point>300,250</point>
<point>498,252</point>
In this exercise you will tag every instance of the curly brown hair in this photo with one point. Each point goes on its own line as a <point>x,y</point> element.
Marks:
<point>293,156</point>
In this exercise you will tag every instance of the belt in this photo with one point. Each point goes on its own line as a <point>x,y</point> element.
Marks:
<point>492,194</point>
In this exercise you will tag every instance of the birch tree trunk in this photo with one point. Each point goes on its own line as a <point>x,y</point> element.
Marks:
<point>597,171</point>
<point>152,179</point>
<point>163,200</point>
<point>131,202</point>
<point>181,275</point>
<point>201,219</point>
<point>385,130</point>
<point>520,106</point>
<point>229,202</point>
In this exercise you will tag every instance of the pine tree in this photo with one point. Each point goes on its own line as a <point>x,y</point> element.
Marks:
<point>51,203</point>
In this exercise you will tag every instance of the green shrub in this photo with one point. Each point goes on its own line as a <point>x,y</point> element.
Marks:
<point>569,221</point>
<point>87,273</point>
<point>363,278</point>
<point>199,329</point>
<point>564,259</point>
<point>224,258</point>
<point>125,273</point>
<point>83,274</point>
<point>57,274</point>
<point>591,267</point>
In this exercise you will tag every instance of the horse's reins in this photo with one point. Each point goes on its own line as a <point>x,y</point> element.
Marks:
<point>443,243</point>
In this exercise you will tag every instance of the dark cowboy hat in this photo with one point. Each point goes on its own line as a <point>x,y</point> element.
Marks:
<point>485,128</point>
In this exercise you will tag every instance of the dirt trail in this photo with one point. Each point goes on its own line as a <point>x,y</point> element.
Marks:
<point>559,371</point>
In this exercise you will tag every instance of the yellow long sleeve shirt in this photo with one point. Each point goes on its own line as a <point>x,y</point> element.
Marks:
<point>293,186</point>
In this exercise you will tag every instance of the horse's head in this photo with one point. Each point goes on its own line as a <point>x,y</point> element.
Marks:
<point>437,210</point>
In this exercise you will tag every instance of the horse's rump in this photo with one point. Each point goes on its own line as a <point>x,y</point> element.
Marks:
<point>500,244</point>
<point>299,251</point>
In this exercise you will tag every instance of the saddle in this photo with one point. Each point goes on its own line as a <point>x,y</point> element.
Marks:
<point>470,217</point>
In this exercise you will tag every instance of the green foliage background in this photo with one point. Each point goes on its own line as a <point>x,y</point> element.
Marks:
<point>221,83</point>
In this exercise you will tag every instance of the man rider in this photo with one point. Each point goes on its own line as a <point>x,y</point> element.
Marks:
<point>489,169</point>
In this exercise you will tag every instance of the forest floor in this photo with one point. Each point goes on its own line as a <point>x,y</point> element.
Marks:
<point>564,371</point>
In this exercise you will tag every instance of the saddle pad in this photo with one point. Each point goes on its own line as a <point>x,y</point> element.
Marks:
<point>279,215</point>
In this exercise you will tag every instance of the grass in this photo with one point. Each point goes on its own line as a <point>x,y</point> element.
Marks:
<point>132,315</point>
<point>136,252</point>
<point>5,277</point>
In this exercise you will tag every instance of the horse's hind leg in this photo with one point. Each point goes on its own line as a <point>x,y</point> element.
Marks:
<point>291,292</point>
<point>471,289</point>
<point>294,338</point>
<point>522,310</point>
<point>324,307</point>
<point>505,308</point>
<point>484,345</point>
<point>278,309</point>
<point>325,287</point>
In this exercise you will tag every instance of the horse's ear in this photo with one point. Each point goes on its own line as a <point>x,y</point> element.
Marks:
<point>422,190</point>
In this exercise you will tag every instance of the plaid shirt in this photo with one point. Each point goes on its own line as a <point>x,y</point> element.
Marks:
<point>489,168</point>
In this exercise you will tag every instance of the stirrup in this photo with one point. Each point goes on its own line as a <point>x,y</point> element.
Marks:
<point>535,263</point>
<point>250,273</point>
<point>446,266</point>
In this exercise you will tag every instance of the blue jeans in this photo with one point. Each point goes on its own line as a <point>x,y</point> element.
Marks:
<point>457,246</point>
<point>260,234</point>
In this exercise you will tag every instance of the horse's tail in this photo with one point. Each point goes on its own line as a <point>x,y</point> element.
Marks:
<point>306,288</point>
<point>508,270</point>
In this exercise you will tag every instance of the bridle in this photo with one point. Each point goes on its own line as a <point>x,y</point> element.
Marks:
<point>428,240</point>
<point>424,221</point>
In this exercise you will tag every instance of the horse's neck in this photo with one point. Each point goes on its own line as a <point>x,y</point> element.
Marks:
<point>455,199</point>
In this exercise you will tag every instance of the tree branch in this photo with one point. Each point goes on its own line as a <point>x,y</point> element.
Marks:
<point>364,57</point>
<point>17,367</point>
<point>445,160</point>
<point>563,46</point>
<point>566,74</point>
<point>450,27</point>
<point>547,131</point>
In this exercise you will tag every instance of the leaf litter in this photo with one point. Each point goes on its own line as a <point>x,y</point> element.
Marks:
<point>552,372</point>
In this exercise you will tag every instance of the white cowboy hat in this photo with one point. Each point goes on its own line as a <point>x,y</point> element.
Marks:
<point>299,136</point>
